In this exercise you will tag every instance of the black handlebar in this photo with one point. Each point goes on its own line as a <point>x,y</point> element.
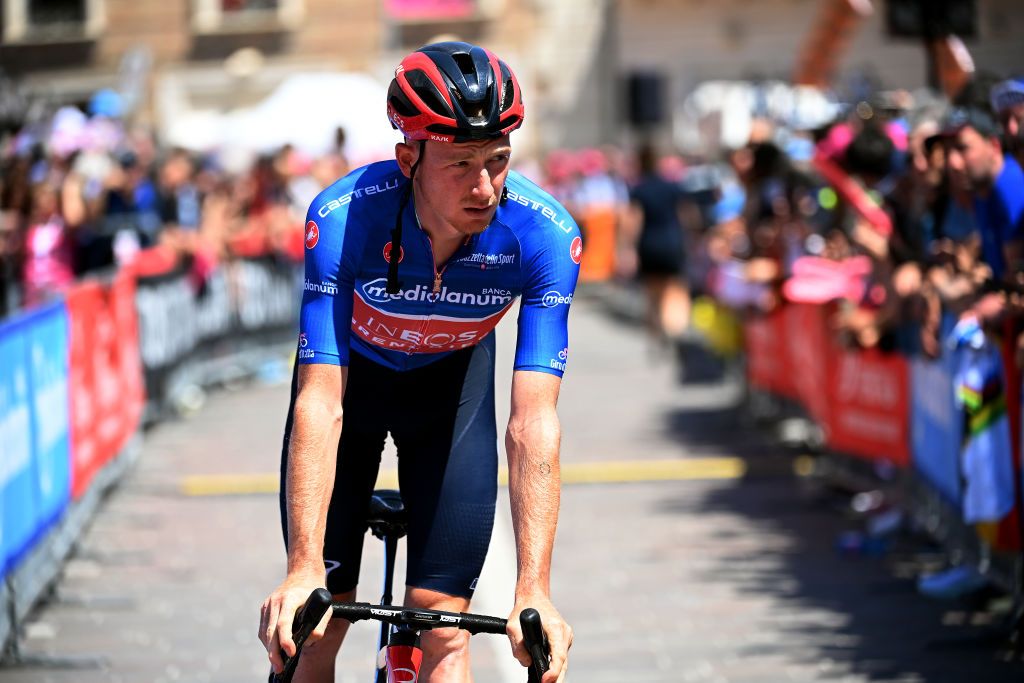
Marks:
<point>319,601</point>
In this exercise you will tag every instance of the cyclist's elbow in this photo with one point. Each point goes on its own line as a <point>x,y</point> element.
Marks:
<point>533,429</point>
<point>318,413</point>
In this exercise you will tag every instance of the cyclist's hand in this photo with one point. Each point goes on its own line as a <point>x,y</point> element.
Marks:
<point>278,613</point>
<point>558,632</point>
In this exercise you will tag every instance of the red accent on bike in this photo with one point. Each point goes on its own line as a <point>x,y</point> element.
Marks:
<point>404,663</point>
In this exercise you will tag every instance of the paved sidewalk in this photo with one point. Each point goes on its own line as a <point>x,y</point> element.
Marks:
<point>730,580</point>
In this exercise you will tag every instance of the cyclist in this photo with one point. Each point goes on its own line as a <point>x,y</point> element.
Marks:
<point>409,266</point>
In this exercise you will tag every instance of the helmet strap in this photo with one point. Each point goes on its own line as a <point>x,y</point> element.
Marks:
<point>393,285</point>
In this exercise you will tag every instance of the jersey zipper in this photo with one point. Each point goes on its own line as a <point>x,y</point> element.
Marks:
<point>439,274</point>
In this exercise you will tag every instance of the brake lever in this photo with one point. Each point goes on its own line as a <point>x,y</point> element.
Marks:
<point>536,643</point>
<point>306,619</point>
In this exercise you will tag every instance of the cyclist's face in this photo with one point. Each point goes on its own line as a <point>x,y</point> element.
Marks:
<point>461,183</point>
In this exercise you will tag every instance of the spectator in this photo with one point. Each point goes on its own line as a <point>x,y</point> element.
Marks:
<point>654,222</point>
<point>996,182</point>
<point>1008,103</point>
<point>49,266</point>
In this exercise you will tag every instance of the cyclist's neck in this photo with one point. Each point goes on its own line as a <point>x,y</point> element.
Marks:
<point>445,239</point>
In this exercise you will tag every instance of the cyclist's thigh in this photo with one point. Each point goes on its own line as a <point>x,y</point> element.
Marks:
<point>448,462</point>
<point>364,428</point>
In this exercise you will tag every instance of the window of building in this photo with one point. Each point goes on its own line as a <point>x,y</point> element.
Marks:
<point>228,15</point>
<point>46,20</point>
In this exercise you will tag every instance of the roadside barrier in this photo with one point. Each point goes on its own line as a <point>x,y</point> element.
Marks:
<point>948,431</point>
<point>81,375</point>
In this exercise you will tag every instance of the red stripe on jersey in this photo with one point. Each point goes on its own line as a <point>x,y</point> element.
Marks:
<point>419,334</point>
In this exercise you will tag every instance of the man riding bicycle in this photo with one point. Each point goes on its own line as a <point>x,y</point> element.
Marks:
<point>410,264</point>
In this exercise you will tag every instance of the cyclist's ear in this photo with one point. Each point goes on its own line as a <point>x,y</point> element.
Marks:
<point>407,153</point>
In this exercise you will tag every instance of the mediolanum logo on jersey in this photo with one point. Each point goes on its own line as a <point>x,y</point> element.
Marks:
<point>324,287</point>
<point>375,291</point>
<point>555,298</point>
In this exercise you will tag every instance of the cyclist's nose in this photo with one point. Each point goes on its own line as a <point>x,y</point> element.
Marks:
<point>483,190</point>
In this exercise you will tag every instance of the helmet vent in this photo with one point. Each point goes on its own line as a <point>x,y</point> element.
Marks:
<point>403,107</point>
<point>427,91</point>
<point>507,95</point>
<point>465,63</point>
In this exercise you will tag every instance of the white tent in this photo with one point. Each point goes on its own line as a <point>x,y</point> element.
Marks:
<point>304,110</point>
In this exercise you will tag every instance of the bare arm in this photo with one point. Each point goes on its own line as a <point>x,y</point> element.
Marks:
<point>312,455</point>
<point>532,444</point>
<point>534,476</point>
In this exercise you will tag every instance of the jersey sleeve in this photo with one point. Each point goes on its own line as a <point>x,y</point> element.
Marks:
<point>551,270</point>
<point>330,266</point>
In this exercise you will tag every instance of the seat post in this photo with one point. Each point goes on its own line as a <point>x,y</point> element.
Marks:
<point>390,550</point>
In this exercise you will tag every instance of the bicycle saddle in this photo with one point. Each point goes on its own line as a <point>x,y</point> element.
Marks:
<point>386,515</point>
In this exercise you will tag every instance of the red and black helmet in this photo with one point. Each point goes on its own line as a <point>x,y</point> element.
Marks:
<point>454,92</point>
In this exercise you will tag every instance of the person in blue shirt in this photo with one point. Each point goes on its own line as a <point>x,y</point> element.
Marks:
<point>410,264</point>
<point>975,157</point>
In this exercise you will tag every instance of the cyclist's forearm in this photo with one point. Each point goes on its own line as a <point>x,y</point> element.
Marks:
<point>534,490</point>
<point>312,458</point>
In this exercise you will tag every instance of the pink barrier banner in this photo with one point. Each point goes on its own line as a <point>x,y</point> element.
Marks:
<point>429,9</point>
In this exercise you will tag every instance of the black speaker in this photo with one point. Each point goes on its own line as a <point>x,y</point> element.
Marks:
<point>932,18</point>
<point>646,98</point>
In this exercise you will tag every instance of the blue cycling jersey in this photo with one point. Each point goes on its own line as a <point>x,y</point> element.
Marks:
<point>532,249</point>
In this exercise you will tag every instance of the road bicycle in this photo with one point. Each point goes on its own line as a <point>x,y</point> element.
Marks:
<point>399,654</point>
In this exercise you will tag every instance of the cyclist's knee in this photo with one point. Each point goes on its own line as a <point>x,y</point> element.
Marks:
<point>445,644</point>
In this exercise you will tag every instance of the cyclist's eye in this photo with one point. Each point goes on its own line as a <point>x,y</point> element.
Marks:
<point>460,164</point>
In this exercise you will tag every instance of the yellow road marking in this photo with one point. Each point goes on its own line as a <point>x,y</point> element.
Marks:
<point>610,472</point>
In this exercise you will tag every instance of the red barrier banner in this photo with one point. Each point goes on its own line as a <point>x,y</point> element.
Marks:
<point>764,341</point>
<point>105,376</point>
<point>1009,536</point>
<point>83,303</point>
<point>126,344</point>
<point>869,393</point>
<point>808,354</point>
<point>106,380</point>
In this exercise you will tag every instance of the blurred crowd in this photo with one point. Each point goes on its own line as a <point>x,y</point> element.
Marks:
<point>907,211</point>
<point>83,192</point>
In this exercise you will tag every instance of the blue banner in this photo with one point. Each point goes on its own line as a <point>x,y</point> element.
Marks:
<point>936,424</point>
<point>48,359</point>
<point>20,516</point>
